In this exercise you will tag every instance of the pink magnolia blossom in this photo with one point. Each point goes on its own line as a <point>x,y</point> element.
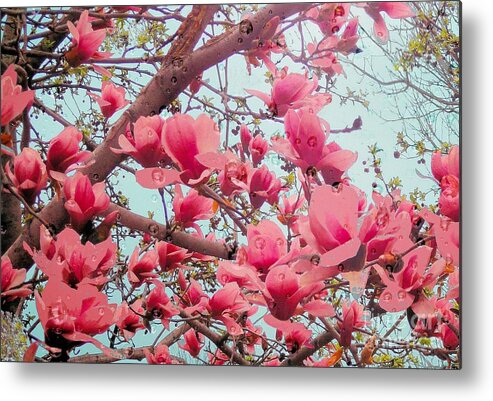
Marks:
<point>245,275</point>
<point>193,297</point>
<point>262,185</point>
<point>387,225</point>
<point>295,335</point>
<point>245,138</point>
<point>75,263</point>
<point>305,147</point>
<point>446,169</point>
<point>143,269</point>
<point>85,42</point>
<point>324,58</point>
<point>127,321</point>
<point>219,358</point>
<point>284,290</point>
<point>393,9</point>
<point>288,208</point>
<point>63,152</point>
<point>331,228</point>
<point>159,306</point>
<point>111,100</point>
<point>233,176</point>
<point>347,42</point>
<point>352,316</point>
<point>72,316</point>
<point>12,280</point>
<point>436,319</point>
<point>265,45</point>
<point>292,91</point>
<point>330,17</point>
<point>447,235</point>
<point>194,342</point>
<point>14,99</point>
<point>83,200</point>
<point>443,165</point>
<point>400,291</point>
<point>258,149</point>
<point>188,209</point>
<point>170,256</point>
<point>449,201</point>
<point>192,145</point>
<point>266,245</point>
<point>159,356</point>
<point>29,176</point>
<point>226,304</point>
<point>144,142</point>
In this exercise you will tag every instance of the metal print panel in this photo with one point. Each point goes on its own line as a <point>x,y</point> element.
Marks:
<point>232,184</point>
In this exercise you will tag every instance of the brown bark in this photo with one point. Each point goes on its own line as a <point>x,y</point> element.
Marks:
<point>180,238</point>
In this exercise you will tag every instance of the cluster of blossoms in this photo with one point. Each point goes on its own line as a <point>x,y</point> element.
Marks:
<point>389,253</point>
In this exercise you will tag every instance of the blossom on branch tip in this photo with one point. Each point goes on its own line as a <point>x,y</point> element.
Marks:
<point>14,99</point>
<point>111,100</point>
<point>85,42</point>
<point>12,280</point>
<point>29,176</point>
<point>84,200</point>
<point>63,152</point>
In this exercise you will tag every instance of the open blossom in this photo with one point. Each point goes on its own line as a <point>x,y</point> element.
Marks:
<point>269,41</point>
<point>352,317</point>
<point>324,58</point>
<point>188,209</point>
<point>14,99</point>
<point>159,306</point>
<point>143,143</point>
<point>111,100</point>
<point>170,256</point>
<point>285,290</point>
<point>63,152</point>
<point>141,270</point>
<point>266,245</point>
<point>400,291</point>
<point>443,165</point>
<point>262,185</point>
<point>295,335</point>
<point>393,9</point>
<point>29,176</point>
<point>194,342</point>
<point>159,356</point>
<point>191,144</point>
<point>436,319</point>
<point>12,280</point>
<point>330,17</point>
<point>226,305</point>
<point>85,41</point>
<point>233,173</point>
<point>292,91</point>
<point>72,316</point>
<point>447,235</point>
<point>83,200</point>
<point>305,147</point>
<point>127,320</point>
<point>75,263</point>
<point>331,228</point>
<point>288,208</point>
